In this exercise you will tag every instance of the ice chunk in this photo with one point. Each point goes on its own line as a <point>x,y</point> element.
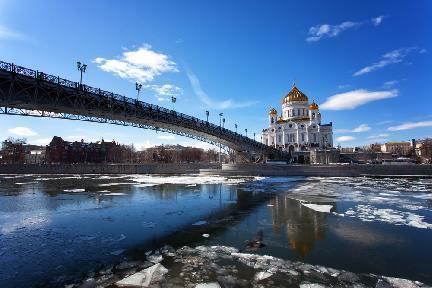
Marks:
<point>401,283</point>
<point>199,223</point>
<point>318,207</point>
<point>312,285</point>
<point>156,258</point>
<point>262,275</point>
<point>115,194</point>
<point>74,190</point>
<point>145,277</point>
<point>208,285</point>
<point>206,235</point>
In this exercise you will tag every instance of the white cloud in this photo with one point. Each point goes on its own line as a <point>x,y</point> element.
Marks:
<point>166,91</point>
<point>166,137</point>
<point>22,131</point>
<point>392,57</point>
<point>361,128</point>
<point>389,84</point>
<point>345,138</point>
<point>411,125</point>
<point>225,104</point>
<point>377,20</point>
<point>326,30</point>
<point>141,65</point>
<point>358,129</point>
<point>355,98</point>
<point>383,135</point>
<point>7,33</point>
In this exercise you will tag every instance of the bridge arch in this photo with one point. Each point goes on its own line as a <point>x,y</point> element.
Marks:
<point>29,92</point>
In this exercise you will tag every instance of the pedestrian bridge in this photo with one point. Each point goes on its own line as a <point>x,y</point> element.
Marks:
<point>30,92</point>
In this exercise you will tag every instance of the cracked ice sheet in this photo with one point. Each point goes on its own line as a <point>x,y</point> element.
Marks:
<point>188,180</point>
<point>406,194</point>
<point>370,213</point>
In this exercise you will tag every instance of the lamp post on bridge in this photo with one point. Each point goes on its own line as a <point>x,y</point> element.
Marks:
<point>207,114</point>
<point>246,132</point>
<point>173,101</point>
<point>235,126</point>
<point>138,88</point>
<point>220,131</point>
<point>223,122</point>
<point>254,136</point>
<point>82,68</point>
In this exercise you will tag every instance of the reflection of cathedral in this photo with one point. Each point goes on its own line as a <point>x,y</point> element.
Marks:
<point>303,226</point>
<point>299,127</point>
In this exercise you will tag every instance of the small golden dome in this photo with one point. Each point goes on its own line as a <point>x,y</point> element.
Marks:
<point>295,95</point>
<point>313,106</point>
<point>273,111</point>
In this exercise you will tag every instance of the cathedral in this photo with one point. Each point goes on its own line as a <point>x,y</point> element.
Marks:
<point>298,127</point>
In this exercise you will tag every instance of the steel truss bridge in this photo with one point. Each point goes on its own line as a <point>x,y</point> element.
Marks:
<point>33,93</point>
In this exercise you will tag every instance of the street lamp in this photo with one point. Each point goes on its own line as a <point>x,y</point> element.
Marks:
<point>82,68</point>
<point>220,147</point>
<point>254,136</point>
<point>207,114</point>
<point>138,88</point>
<point>235,126</point>
<point>173,100</point>
<point>223,122</point>
<point>246,132</point>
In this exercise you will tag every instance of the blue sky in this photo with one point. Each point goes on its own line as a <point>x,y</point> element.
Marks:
<point>367,63</point>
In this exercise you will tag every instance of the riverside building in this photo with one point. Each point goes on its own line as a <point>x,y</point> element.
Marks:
<point>298,129</point>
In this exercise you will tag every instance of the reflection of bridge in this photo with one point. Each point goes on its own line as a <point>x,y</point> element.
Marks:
<point>32,93</point>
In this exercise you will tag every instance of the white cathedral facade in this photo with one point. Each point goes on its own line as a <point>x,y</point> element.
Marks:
<point>298,127</point>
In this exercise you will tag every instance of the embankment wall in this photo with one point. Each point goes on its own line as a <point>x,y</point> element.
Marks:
<point>152,168</point>
<point>321,170</point>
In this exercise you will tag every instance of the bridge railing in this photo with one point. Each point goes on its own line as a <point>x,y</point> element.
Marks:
<point>190,120</point>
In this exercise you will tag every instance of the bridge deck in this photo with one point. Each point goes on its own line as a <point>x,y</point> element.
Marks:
<point>29,92</point>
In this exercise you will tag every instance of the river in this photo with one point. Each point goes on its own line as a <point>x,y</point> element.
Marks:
<point>95,230</point>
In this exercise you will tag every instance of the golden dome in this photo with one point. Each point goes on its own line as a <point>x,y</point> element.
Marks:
<point>295,95</point>
<point>273,111</point>
<point>313,106</point>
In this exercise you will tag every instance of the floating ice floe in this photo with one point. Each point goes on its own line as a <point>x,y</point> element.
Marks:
<point>370,213</point>
<point>114,184</point>
<point>187,180</point>
<point>206,235</point>
<point>74,190</point>
<point>318,207</point>
<point>199,223</point>
<point>115,194</point>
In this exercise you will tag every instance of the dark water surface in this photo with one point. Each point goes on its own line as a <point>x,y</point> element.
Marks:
<point>58,230</point>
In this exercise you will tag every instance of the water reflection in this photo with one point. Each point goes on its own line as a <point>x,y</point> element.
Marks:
<point>303,226</point>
